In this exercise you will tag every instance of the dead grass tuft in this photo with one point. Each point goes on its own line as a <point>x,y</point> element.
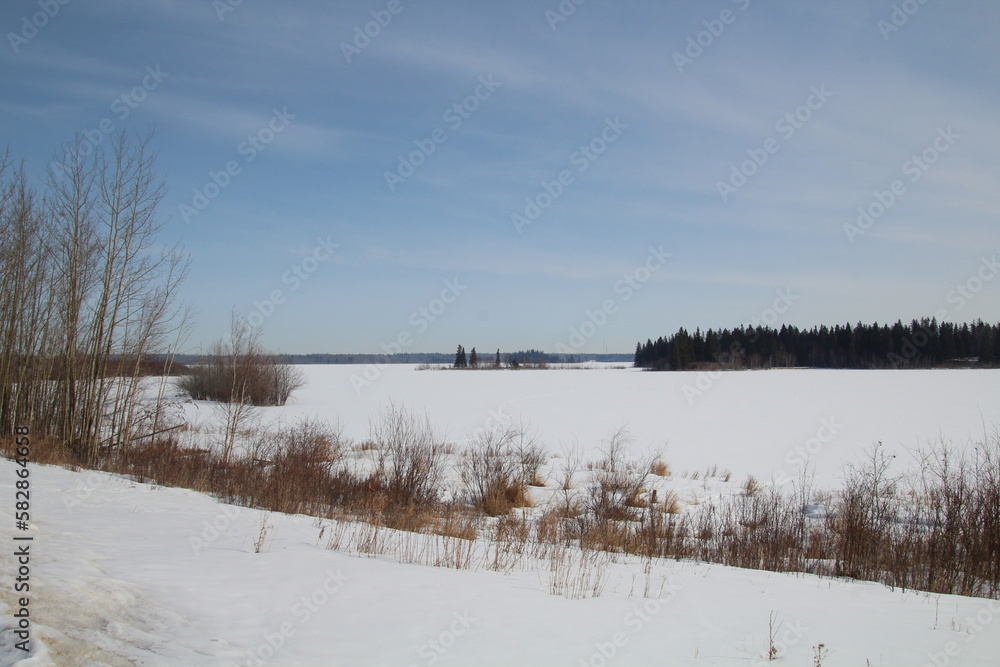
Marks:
<point>660,468</point>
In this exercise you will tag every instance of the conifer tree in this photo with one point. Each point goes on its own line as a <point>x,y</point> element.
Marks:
<point>924,343</point>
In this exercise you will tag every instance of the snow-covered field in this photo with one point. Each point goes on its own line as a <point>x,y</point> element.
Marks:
<point>762,423</point>
<point>127,573</point>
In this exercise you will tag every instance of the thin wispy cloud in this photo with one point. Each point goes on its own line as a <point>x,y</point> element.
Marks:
<point>394,156</point>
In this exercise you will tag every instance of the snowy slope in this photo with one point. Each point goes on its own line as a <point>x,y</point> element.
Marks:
<point>128,573</point>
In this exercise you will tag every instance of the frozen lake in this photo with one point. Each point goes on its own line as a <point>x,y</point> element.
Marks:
<point>757,422</point>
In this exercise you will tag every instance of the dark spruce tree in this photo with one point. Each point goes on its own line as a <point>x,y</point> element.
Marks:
<point>460,359</point>
<point>682,352</point>
<point>473,359</point>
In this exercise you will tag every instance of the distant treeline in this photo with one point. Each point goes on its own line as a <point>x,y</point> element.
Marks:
<point>527,356</point>
<point>920,344</point>
<point>325,358</point>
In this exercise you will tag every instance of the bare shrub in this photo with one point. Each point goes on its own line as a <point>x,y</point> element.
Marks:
<point>163,461</point>
<point>618,481</point>
<point>773,628</point>
<point>572,456</point>
<point>261,540</point>
<point>531,455</point>
<point>307,470</point>
<point>409,461</point>
<point>948,539</point>
<point>866,512</point>
<point>493,473</point>
<point>240,372</point>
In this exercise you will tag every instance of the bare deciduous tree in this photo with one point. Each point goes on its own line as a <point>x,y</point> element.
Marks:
<point>241,376</point>
<point>87,296</point>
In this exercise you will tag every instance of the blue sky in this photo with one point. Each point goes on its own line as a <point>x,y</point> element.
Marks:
<point>801,111</point>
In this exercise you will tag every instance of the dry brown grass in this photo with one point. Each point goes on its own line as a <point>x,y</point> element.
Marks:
<point>44,449</point>
<point>670,503</point>
<point>457,523</point>
<point>936,530</point>
<point>618,483</point>
<point>660,468</point>
<point>497,467</point>
<point>503,495</point>
<point>548,527</point>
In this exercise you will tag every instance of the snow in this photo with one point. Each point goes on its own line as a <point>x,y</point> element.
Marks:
<point>117,579</point>
<point>128,573</point>
<point>763,423</point>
